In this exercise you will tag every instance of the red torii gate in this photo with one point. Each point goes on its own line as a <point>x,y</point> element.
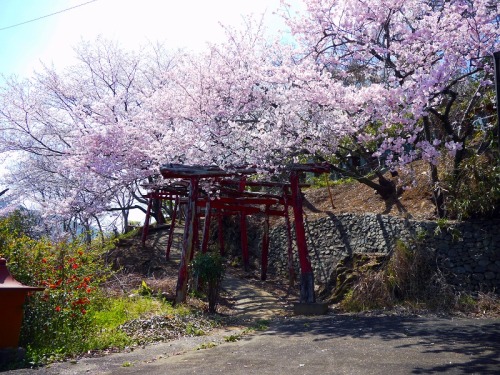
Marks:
<point>230,201</point>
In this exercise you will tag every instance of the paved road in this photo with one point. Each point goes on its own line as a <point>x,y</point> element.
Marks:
<point>350,345</point>
<point>332,344</point>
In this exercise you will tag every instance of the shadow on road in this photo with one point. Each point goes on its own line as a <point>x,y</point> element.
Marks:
<point>477,339</point>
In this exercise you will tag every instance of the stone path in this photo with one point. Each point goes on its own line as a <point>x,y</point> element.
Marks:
<point>251,301</point>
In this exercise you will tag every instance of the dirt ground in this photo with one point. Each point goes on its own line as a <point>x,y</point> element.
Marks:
<point>147,263</point>
<point>414,202</point>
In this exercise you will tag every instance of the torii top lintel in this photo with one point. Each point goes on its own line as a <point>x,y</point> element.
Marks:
<point>211,171</point>
<point>201,171</point>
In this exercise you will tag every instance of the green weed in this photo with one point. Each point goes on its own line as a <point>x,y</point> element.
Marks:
<point>194,331</point>
<point>232,338</point>
<point>261,325</point>
<point>207,345</point>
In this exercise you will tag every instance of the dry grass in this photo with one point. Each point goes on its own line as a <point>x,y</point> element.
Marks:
<point>410,282</point>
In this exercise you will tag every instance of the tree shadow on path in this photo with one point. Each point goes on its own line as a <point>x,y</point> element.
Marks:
<point>478,340</point>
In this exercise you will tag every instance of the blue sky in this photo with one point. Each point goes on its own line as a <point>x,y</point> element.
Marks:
<point>179,23</point>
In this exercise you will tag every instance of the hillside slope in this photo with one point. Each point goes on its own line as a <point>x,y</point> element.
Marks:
<point>354,197</point>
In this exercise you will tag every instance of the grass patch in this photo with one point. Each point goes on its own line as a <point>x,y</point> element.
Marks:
<point>324,180</point>
<point>261,325</point>
<point>116,311</point>
<point>112,313</point>
<point>207,345</point>
<point>232,338</point>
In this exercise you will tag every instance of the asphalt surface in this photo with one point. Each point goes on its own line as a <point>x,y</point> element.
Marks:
<point>350,345</point>
<point>331,344</point>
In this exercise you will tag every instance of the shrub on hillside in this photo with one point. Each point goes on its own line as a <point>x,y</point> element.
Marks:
<point>408,277</point>
<point>474,190</point>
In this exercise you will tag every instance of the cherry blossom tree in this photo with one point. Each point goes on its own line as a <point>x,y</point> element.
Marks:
<point>216,100</point>
<point>384,81</point>
<point>77,133</point>
<point>364,84</point>
<point>238,104</point>
<point>415,74</point>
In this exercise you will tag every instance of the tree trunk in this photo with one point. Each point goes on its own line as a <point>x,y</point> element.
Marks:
<point>125,214</point>
<point>157,212</point>
<point>437,192</point>
<point>213,295</point>
<point>385,188</point>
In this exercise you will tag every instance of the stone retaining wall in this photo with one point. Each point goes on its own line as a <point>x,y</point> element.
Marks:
<point>467,252</point>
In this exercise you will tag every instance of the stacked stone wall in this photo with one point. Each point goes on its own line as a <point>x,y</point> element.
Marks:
<point>468,253</point>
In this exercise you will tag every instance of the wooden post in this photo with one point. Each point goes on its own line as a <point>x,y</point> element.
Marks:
<point>243,231</point>
<point>306,276</point>
<point>206,228</point>
<point>195,229</point>
<point>265,248</point>
<point>220,225</point>
<point>188,243</point>
<point>291,270</point>
<point>145,227</point>
<point>172,227</point>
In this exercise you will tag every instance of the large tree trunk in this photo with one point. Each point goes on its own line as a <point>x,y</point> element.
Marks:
<point>437,191</point>
<point>386,188</point>
<point>157,212</point>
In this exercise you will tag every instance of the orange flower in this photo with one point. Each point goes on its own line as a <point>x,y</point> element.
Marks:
<point>58,308</point>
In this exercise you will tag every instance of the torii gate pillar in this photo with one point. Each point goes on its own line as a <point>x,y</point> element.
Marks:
<point>306,272</point>
<point>189,242</point>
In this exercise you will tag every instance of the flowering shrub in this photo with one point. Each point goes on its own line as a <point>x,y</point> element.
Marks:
<point>55,320</point>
